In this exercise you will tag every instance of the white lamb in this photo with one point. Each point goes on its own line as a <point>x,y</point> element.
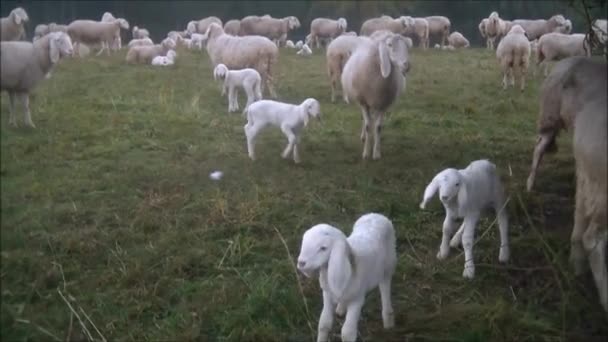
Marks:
<point>291,119</point>
<point>290,44</point>
<point>197,41</point>
<point>168,59</point>
<point>305,51</point>
<point>299,44</point>
<point>465,194</point>
<point>349,268</point>
<point>249,79</point>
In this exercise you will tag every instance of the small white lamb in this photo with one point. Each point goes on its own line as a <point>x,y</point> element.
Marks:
<point>465,194</point>
<point>305,51</point>
<point>349,268</point>
<point>169,59</point>
<point>299,44</point>
<point>290,44</point>
<point>291,119</point>
<point>248,79</point>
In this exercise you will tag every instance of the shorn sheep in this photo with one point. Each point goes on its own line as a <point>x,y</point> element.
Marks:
<point>556,46</point>
<point>232,27</point>
<point>248,79</point>
<point>169,59</point>
<point>466,194</point>
<point>513,54</point>
<point>326,28</point>
<point>291,119</point>
<point>145,54</point>
<point>12,27</point>
<point>590,143</point>
<point>373,77</point>
<point>255,52</point>
<point>25,64</point>
<point>349,268</point>
<point>563,94</point>
<point>40,30</point>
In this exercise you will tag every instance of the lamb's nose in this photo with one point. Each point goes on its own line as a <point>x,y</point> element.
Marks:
<point>301,264</point>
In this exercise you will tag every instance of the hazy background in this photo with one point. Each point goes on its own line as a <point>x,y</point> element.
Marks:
<point>159,17</point>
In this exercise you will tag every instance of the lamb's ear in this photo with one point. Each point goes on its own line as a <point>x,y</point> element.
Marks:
<point>385,60</point>
<point>53,50</point>
<point>430,191</point>
<point>339,268</point>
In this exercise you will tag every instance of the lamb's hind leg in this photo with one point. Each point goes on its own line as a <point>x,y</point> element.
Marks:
<point>388,315</point>
<point>251,131</point>
<point>503,227</point>
<point>470,221</point>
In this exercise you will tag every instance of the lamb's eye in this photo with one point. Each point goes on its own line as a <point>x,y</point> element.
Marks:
<point>322,249</point>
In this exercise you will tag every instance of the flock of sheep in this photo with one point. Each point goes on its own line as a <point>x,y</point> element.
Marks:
<point>372,69</point>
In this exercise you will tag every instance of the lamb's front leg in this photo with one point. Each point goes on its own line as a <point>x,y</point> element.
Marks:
<point>291,137</point>
<point>349,329</point>
<point>296,152</point>
<point>448,230</point>
<point>326,320</point>
<point>231,96</point>
<point>388,315</point>
<point>470,221</point>
<point>503,227</point>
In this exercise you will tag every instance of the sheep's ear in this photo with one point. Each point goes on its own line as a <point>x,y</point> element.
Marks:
<point>430,191</point>
<point>53,50</point>
<point>339,268</point>
<point>385,60</point>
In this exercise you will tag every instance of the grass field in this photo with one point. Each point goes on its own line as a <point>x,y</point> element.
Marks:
<point>107,209</point>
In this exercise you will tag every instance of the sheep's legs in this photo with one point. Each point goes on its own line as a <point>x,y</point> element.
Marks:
<point>377,130</point>
<point>457,238</point>
<point>250,132</point>
<point>594,241</point>
<point>581,222</point>
<point>388,315</point>
<point>349,329</point>
<point>13,118</point>
<point>25,99</point>
<point>326,319</point>
<point>291,137</point>
<point>296,152</point>
<point>470,221</point>
<point>103,47</point>
<point>503,227</point>
<point>543,141</point>
<point>448,229</point>
<point>365,133</point>
<point>505,79</point>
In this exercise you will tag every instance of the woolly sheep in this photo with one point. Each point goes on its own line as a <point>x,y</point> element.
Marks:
<point>140,33</point>
<point>600,28</point>
<point>140,42</point>
<point>513,54</point>
<point>116,45</point>
<point>248,79</point>
<point>494,29</point>
<point>272,28</point>
<point>563,94</point>
<point>202,25</point>
<point>349,268</point>
<point>338,52</point>
<point>374,76</point>
<point>40,30</point>
<point>255,52</point>
<point>350,33</point>
<point>145,54</point>
<point>419,29</point>
<point>291,119</point>
<point>299,44</point>
<point>305,51</point>
<point>290,44</point>
<point>555,46</point>
<point>169,59</point>
<point>93,32</point>
<point>457,40</point>
<point>536,28</point>
<point>397,25</point>
<point>590,231</point>
<point>24,64</point>
<point>12,27</point>
<point>439,25</point>
<point>198,41</point>
<point>466,193</point>
<point>232,27</point>
<point>326,28</point>
<point>482,31</point>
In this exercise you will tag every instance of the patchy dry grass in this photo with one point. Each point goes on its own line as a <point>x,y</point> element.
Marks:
<point>108,204</point>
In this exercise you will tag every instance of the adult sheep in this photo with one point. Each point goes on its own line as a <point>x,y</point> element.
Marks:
<point>556,46</point>
<point>12,27</point>
<point>536,28</point>
<point>146,53</point>
<point>513,54</point>
<point>256,52</point>
<point>326,28</point>
<point>338,52</point>
<point>232,27</point>
<point>95,32</point>
<point>272,28</point>
<point>202,25</point>
<point>398,25</point>
<point>439,26</point>
<point>419,30</point>
<point>25,64</point>
<point>482,31</point>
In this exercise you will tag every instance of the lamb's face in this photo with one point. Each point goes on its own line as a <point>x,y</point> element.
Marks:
<point>313,107</point>
<point>315,250</point>
<point>449,185</point>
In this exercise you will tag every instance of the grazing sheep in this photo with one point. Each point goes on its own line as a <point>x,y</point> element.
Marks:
<point>92,32</point>
<point>457,40</point>
<point>555,46</point>
<point>305,51</point>
<point>145,54</point>
<point>513,54</point>
<point>466,193</point>
<point>590,231</point>
<point>12,27</point>
<point>569,86</point>
<point>398,25</point>
<point>255,52</point>
<point>349,268</point>
<point>420,30</point>
<point>202,25</point>
<point>291,119</point>
<point>169,59</point>
<point>272,28</point>
<point>40,30</point>
<point>248,79</point>
<point>373,77</point>
<point>440,26</point>
<point>140,42</point>
<point>338,52</point>
<point>326,28</point>
<point>140,33</point>
<point>232,27</point>
<point>25,64</point>
<point>536,28</point>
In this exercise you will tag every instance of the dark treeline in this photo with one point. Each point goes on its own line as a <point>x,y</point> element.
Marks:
<point>160,17</point>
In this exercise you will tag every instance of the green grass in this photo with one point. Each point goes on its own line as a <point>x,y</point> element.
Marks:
<point>109,202</point>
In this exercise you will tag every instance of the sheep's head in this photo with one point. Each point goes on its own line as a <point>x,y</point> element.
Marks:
<point>213,31</point>
<point>393,51</point>
<point>312,109</point>
<point>220,72</point>
<point>107,16</point>
<point>19,15</point>
<point>123,23</point>
<point>517,29</point>
<point>292,22</point>
<point>566,28</point>
<point>558,20</point>
<point>406,22</point>
<point>135,29</point>
<point>60,45</point>
<point>168,43</point>
<point>342,24</point>
<point>449,182</point>
<point>191,27</point>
